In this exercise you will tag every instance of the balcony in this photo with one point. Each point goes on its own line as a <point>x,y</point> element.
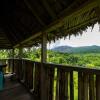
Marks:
<point>59,81</point>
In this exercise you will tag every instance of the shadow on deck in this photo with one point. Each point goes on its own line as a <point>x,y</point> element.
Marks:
<point>14,91</point>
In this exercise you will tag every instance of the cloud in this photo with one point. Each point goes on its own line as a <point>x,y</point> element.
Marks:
<point>88,38</point>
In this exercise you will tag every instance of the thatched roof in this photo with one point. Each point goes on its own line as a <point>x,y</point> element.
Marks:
<point>23,21</point>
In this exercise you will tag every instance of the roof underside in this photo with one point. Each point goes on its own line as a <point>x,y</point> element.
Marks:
<point>21,21</point>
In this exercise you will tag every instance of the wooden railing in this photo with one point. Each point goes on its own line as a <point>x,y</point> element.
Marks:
<point>9,66</point>
<point>60,80</point>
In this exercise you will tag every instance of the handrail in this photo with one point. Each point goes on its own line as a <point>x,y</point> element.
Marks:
<point>29,73</point>
<point>73,68</point>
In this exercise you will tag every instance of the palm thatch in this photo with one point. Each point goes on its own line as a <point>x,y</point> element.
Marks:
<point>75,23</point>
<point>23,22</point>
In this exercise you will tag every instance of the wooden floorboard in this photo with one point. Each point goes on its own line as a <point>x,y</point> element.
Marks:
<point>14,91</point>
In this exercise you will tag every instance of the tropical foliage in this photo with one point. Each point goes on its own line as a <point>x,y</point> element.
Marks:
<point>79,59</point>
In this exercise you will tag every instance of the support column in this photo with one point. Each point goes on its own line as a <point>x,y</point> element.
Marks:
<point>13,60</point>
<point>10,61</point>
<point>20,52</point>
<point>44,48</point>
<point>43,71</point>
<point>19,64</point>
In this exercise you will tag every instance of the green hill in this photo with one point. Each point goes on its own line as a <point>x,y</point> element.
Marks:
<point>84,49</point>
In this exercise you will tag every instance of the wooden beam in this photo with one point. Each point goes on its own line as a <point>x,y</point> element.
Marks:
<point>43,70</point>
<point>28,39</point>
<point>20,52</point>
<point>10,33</point>
<point>9,39</point>
<point>48,8</point>
<point>97,87</point>
<point>44,48</point>
<point>59,22</point>
<point>98,9</point>
<point>13,52</point>
<point>98,2</point>
<point>66,13</point>
<point>34,12</point>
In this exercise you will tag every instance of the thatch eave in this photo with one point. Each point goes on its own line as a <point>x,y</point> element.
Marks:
<point>74,24</point>
<point>23,22</point>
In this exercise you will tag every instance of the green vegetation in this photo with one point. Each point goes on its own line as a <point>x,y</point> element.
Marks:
<point>75,59</point>
<point>82,59</point>
<point>78,59</point>
<point>83,49</point>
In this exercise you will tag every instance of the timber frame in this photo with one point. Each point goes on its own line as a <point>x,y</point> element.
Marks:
<point>23,22</point>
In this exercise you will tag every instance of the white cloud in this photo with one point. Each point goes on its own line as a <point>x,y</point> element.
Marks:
<point>88,38</point>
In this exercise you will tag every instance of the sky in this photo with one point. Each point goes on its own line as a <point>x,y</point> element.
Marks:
<point>86,39</point>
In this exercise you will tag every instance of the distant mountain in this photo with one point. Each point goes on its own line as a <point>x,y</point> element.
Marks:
<point>84,49</point>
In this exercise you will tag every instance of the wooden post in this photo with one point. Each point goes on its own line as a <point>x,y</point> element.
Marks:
<point>97,87</point>
<point>71,86</point>
<point>63,85</point>
<point>20,52</point>
<point>80,86</point>
<point>91,87</point>
<point>20,67</point>
<point>85,86</point>
<point>43,72</point>
<point>13,60</point>
<point>44,48</point>
<point>10,61</point>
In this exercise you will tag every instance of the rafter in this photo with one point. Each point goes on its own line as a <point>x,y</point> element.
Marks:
<point>98,9</point>
<point>8,37</point>
<point>62,16</point>
<point>34,12</point>
<point>98,2</point>
<point>9,33</point>
<point>48,8</point>
<point>28,39</point>
<point>12,32</point>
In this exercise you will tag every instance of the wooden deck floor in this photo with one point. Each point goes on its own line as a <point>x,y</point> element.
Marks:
<point>14,91</point>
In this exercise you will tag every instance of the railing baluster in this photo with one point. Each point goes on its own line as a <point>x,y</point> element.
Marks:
<point>50,82</point>
<point>80,86</point>
<point>62,85</point>
<point>91,87</point>
<point>25,74</point>
<point>57,86</point>
<point>30,74</point>
<point>66,86</point>
<point>97,87</point>
<point>71,86</point>
<point>37,82</point>
<point>24,71</point>
<point>85,86</point>
<point>88,88</point>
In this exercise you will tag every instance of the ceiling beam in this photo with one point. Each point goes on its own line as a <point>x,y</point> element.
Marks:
<point>34,12</point>
<point>98,9</point>
<point>29,39</point>
<point>59,22</point>
<point>14,33</point>
<point>9,39</point>
<point>10,34</point>
<point>48,8</point>
<point>98,2</point>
